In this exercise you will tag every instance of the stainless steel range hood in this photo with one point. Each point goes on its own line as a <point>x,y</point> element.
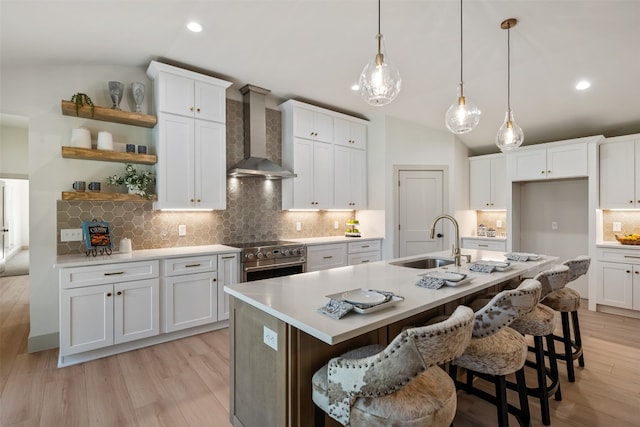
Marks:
<point>255,163</point>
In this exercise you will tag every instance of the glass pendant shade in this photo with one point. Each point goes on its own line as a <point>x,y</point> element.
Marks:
<point>462,116</point>
<point>510,135</point>
<point>379,81</point>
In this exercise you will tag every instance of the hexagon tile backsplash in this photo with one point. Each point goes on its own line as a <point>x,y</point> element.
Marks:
<point>253,211</point>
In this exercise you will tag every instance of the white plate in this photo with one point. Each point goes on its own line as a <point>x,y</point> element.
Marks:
<point>363,296</point>
<point>445,275</point>
<point>458,283</point>
<point>394,300</point>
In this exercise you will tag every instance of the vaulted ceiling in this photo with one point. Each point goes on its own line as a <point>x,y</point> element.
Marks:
<point>314,50</point>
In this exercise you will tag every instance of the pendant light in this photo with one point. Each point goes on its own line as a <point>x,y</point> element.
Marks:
<point>379,81</point>
<point>510,135</point>
<point>463,115</point>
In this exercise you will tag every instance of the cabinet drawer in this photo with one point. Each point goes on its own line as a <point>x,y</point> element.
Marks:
<point>322,257</point>
<point>488,245</point>
<point>107,273</point>
<point>189,265</point>
<point>619,255</point>
<point>364,257</point>
<point>366,246</point>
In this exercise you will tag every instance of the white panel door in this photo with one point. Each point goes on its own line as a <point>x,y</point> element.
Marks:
<point>210,165</point>
<point>528,165</point>
<point>86,318</point>
<point>136,310</point>
<point>617,175</point>
<point>4,231</point>
<point>350,190</point>
<point>210,102</point>
<point>303,197</point>
<point>228,274</point>
<point>175,95</point>
<point>323,175</point>
<point>617,284</point>
<point>190,300</point>
<point>175,182</point>
<point>420,201</point>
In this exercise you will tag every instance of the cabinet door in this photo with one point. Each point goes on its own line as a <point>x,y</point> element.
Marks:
<point>479,184</point>
<point>616,284</point>
<point>190,300</point>
<point>175,95</point>
<point>363,258</point>
<point>323,175</point>
<point>210,165</point>
<point>86,318</point>
<point>210,102</point>
<point>175,167</point>
<point>617,173</point>
<point>303,195</point>
<point>567,161</point>
<point>136,310</point>
<point>349,133</point>
<point>636,287</point>
<point>528,165</point>
<point>350,178</point>
<point>228,274</point>
<point>311,124</point>
<point>499,183</point>
<point>323,127</point>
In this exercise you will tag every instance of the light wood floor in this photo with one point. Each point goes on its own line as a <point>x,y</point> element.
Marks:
<point>185,382</point>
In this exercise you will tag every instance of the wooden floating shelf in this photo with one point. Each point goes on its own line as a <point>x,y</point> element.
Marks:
<point>108,156</point>
<point>104,197</point>
<point>109,115</point>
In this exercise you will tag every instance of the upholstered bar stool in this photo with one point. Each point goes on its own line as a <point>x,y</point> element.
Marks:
<point>540,324</point>
<point>567,301</point>
<point>496,350</point>
<point>396,385</point>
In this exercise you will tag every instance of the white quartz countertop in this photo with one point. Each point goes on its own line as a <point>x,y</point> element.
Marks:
<point>616,244</point>
<point>310,241</point>
<point>501,239</point>
<point>295,299</point>
<point>141,255</point>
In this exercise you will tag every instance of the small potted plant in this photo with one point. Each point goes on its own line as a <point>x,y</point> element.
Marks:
<point>136,182</point>
<point>80,99</point>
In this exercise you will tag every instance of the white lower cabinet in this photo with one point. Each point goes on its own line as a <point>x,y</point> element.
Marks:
<point>618,278</point>
<point>228,274</point>
<point>103,314</point>
<point>363,252</point>
<point>484,244</point>
<point>324,257</point>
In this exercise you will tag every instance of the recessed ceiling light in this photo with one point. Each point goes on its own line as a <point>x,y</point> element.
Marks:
<point>194,26</point>
<point>583,84</point>
<point>355,87</point>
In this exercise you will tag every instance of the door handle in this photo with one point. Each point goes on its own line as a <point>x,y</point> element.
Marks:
<point>439,235</point>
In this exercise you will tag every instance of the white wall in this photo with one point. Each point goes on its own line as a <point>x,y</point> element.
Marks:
<point>36,92</point>
<point>13,152</point>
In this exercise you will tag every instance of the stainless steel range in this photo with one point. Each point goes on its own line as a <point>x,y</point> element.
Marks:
<point>263,260</point>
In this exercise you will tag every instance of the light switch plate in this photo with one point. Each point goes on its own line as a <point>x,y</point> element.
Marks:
<point>182,230</point>
<point>298,226</point>
<point>270,338</point>
<point>554,225</point>
<point>71,235</point>
<point>617,226</point>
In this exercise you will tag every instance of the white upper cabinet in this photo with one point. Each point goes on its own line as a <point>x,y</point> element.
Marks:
<point>190,139</point>
<point>331,170</point>
<point>312,124</point>
<point>488,182</point>
<point>548,161</point>
<point>350,133</point>
<point>620,173</point>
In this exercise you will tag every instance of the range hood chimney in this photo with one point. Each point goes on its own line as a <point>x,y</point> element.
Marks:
<point>255,163</point>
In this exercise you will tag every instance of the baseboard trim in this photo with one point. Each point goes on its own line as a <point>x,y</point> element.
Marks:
<point>43,342</point>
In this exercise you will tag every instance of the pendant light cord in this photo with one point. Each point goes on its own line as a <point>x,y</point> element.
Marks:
<point>379,33</point>
<point>461,61</point>
<point>509,70</point>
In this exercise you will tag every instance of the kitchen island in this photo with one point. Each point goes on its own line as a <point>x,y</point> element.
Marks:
<point>279,339</point>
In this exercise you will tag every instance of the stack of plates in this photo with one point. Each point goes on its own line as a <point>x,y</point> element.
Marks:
<point>450,279</point>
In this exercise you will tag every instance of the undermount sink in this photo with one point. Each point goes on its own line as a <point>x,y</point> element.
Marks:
<point>424,263</point>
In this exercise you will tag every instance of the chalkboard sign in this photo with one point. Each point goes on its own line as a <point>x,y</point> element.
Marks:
<point>97,237</point>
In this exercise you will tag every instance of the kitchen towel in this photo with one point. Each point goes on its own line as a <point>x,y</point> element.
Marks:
<point>482,268</point>
<point>521,256</point>
<point>430,282</point>
<point>337,309</point>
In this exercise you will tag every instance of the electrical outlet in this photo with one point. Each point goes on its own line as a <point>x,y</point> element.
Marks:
<point>554,225</point>
<point>270,338</point>
<point>298,226</point>
<point>617,226</point>
<point>336,225</point>
<point>71,235</point>
<point>182,230</point>
<point>499,223</point>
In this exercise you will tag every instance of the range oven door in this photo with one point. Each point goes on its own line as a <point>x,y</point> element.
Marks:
<point>253,273</point>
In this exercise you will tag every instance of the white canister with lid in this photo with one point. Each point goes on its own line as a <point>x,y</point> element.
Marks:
<point>125,245</point>
<point>81,138</point>
<point>105,141</point>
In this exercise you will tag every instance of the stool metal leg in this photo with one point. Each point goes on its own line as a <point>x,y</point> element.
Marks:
<point>542,381</point>
<point>577,337</point>
<point>525,416</point>
<point>568,348</point>
<point>501,400</point>
<point>318,416</point>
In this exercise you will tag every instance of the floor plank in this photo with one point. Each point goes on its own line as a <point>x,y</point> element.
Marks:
<point>186,382</point>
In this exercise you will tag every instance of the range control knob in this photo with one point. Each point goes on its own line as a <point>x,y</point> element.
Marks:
<point>294,251</point>
<point>249,256</point>
<point>259,255</point>
<point>285,252</point>
<point>268,254</point>
<point>301,251</point>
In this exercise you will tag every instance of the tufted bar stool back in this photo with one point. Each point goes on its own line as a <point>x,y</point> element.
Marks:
<point>567,301</point>
<point>496,350</point>
<point>396,385</point>
<point>540,324</point>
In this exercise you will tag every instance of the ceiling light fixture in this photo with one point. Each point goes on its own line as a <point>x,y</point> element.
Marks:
<point>194,26</point>
<point>463,115</point>
<point>379,81</point>
<point>510,135</point>
<point>583,84</point>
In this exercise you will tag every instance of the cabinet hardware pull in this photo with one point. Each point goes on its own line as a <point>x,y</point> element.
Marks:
<point>632,256</point>
<point>192,200</point>
<point>199,200</point>
<point>215,280</point>
<point>327,257</point>
<point>192,265</point>
<point>109,294</point>
<point>119,293</point>
<point>114,274</point>
<point>364,246</point>
<point>364,260</point>
<point>548,171</point>
<point>542,172</point>
<point>229,257</point>
<point>198,110</point>
<point>191,108</point>
<point>627,271</point>
<point>483,246</point>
